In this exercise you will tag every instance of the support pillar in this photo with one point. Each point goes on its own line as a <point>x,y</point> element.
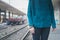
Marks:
<point>0,15</point>
<point>59,11</point>
<point>9,15</point>
<point>4,17</point>
<point>12,14</point>
<point>59,15</point>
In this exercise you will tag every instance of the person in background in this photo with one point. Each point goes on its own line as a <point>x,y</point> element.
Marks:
<point>41,18</point>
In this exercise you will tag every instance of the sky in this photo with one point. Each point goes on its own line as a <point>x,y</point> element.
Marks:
<point>19,4</point>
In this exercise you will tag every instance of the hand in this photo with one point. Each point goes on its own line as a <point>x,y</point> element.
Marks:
<point>54,29</point>
<point>32,30</point>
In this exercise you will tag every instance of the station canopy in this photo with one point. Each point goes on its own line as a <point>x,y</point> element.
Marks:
<point>5,6</point>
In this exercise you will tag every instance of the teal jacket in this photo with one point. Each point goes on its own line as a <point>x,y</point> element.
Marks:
<point>41,14</point>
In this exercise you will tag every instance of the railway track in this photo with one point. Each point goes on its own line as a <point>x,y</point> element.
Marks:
<point>17,35</point>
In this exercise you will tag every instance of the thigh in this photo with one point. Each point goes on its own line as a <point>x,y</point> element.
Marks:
<point>45,33</point>
<point>36,35</point>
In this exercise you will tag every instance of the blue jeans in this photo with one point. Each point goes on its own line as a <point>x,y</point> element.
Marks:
<point>41,33</point>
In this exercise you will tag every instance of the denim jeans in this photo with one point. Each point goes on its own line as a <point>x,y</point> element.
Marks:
<point>41,34</point>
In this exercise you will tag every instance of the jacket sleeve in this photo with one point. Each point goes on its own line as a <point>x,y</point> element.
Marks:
<point>52,15</point>
<point>29,14</point>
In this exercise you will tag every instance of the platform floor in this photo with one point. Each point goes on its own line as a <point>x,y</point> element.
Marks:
<point>53,35</point>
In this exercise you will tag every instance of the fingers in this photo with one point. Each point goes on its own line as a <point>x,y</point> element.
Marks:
<point>54,29</point>
<point>32,30</point>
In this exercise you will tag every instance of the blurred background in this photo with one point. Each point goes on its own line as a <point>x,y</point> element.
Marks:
<point>14,23</point>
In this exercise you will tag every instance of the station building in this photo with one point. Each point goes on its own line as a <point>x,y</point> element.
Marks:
<point>8,11</point>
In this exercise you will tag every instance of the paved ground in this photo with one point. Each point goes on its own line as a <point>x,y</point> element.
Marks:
<point>53,35</point>
<point>10,29</point>
<point>18,35</point>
